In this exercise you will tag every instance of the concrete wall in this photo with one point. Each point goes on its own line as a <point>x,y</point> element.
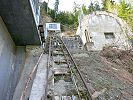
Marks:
<point>20,21</point>
<point>96,26</point>
<point>10,63</point>
<point>36,10</point>
<point>32,56</point>
<point>16,72</point>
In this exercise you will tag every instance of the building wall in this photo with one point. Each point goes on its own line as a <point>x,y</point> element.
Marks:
<point>96,26</point>
<point>32,55</point>
<point>20,20</point>
<point>7,58</point>
<point>10,63</point>
<point>36,10</point>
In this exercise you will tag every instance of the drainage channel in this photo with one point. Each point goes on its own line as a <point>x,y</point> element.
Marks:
<point>64,80</point>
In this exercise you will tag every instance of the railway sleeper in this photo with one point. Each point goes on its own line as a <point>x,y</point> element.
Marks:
<point>58,62</point>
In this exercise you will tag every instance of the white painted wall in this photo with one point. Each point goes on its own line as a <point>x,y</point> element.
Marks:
<point>96,25</point>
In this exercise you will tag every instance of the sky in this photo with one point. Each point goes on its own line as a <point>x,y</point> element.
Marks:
<point>67,5</point>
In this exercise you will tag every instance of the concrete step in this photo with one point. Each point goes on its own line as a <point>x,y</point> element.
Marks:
<point>66,98</point>
<point>59,58</point>
<point>58,53</point>
<point>63,98</point>
<point>58,71</point>
<point>58,50</point>
<point>60,61</point>
<point>60,66</point>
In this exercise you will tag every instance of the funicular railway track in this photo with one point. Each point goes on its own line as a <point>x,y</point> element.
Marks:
<point>65,81</point>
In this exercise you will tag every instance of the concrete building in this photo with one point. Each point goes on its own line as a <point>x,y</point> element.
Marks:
<point>101,28</point>
<point>19,20</point>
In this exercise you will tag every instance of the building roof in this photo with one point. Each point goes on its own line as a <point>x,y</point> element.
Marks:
<point>20,22</point>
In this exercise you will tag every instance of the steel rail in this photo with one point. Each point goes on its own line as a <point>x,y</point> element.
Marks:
<point>80,74</point>
<point>44,97</point>
<point>72,75</point>
<point>74,81</point>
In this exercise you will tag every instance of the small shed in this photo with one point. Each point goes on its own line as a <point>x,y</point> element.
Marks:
<point>101,28</point>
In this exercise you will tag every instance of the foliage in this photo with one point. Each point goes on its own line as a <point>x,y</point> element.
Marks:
<point>51,12</point>
<point>85,10</point>
<point>43,7</point>
<point>65,18</point>
<point>123,9</point>
<point>93,7</point>
<point>109,5</point>
<point>76,7</point>
<point>70,19</point>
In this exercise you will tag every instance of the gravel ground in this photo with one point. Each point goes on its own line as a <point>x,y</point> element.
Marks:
<point>108,74</point>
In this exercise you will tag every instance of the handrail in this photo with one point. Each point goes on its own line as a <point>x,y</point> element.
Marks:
<point>29,78</point>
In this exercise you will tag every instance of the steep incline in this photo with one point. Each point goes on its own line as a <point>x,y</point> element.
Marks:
<point>109,73</point>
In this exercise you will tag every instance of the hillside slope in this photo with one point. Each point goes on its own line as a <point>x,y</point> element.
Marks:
<point>109,73</point>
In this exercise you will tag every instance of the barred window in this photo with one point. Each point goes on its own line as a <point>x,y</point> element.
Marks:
<point>109,35</point>
<point>52,26</point>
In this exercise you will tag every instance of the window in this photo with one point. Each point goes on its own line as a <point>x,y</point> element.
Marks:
<point>109,35</point>
<point>53,26</point>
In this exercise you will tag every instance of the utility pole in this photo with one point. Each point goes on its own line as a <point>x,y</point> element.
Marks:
<point>56,7</point>
<point>47,6</point>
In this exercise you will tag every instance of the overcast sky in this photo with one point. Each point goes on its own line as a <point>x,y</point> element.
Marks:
<point>67,5</point>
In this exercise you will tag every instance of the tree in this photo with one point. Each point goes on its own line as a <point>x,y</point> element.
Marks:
<point>109,5</point>
<point>97,7</point>
<point>94,7</point>
<point>56,7</point>
<point>76,7</point>
<point>125,11</point>
<point>44,6</point>
<point>51,12</point>
<point>85,10</point>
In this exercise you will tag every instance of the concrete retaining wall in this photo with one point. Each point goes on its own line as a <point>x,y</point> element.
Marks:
<point>16,72</point>
<point>32,56</point>
<point>11,63</point>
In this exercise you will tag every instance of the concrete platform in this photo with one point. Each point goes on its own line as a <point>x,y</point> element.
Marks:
<point>40,81</point>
